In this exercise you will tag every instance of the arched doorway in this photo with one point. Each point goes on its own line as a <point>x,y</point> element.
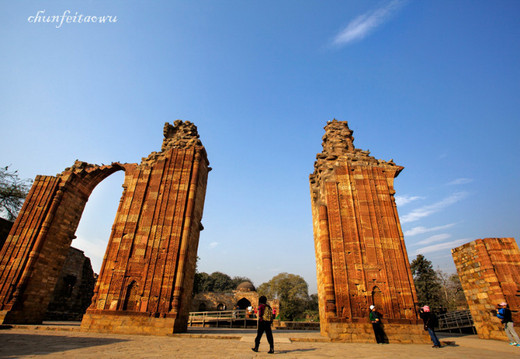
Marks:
<point>243,303</point>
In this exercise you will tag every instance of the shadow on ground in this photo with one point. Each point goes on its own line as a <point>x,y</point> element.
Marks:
<point>46,344</point>
<point>294,351</point>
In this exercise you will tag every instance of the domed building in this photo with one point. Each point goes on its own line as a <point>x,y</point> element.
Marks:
<point>246,287</point>
<point>244,296</point>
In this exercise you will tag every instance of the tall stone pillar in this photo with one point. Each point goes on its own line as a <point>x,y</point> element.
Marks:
<point>489,271</point>
<point>361,257</point>
<point>146,279</point>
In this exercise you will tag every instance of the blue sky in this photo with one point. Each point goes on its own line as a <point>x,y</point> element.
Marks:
<point>432,85</point>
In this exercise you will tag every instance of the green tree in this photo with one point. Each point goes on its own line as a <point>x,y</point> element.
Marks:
<point>451,289</point>
<point>292,291</point>
<point>13,191</point>
<point>200,282</point>
<point>216,282</point>
<point>426,281</point>
<point>312,311</point>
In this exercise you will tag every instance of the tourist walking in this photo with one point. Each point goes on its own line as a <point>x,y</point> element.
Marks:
<point>375,319</point>
<point>430,322</point>
<point>264,321</point>
<point>504,314</point>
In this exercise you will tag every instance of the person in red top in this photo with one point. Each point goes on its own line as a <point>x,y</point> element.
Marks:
<point>264,325</point>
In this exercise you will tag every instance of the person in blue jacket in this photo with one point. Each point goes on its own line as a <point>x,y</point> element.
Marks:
<point>504,314</point>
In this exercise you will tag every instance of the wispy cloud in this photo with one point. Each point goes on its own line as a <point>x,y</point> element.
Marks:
<point>432,208</point>
<point>460,181</point>
<point>213,244</point>
<point>403,200</point>
<point>441,246</point>
<point>435,238</point>
<point>420,230</point>
<point>364,24</point>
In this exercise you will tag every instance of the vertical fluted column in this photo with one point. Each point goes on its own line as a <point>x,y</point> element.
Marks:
<point>326,257</point>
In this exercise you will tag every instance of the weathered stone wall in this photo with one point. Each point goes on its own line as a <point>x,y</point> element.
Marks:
<point>489,271</point>
<point>361,257</point>
<point>146,279</point>
<point>35,250</point>
<point>73,292</point>
<point>212,300</point>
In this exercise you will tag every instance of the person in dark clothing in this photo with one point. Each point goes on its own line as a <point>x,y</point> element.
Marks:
<point>504,314</point>
<point>430,321</point>
<point>375,319</point>
<point>264,321</point>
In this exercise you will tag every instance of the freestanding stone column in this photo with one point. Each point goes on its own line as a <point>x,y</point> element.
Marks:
<point>489,271</point>
<point>146,279</point>
<point>361,257</point>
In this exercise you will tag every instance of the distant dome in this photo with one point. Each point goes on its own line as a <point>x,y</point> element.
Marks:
<point>246,287</point>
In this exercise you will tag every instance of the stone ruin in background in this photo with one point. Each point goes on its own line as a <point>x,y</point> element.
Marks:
<point>146,278</point>
<point>489,271</point>
<point>74,289</point>
<point>361,257</point>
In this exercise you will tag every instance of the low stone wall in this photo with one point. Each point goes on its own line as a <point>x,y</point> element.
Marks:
<point>364,333</point>
<point>127,323</point>
<point>281,325</point>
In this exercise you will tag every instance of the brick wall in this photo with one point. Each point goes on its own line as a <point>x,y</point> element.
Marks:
<point>74,289</point>
<point>489,271</point>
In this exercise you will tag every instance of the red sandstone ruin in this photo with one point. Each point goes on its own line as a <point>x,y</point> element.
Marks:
<point>146,279</point>
<point>489,271</point>
<point>361,257</point>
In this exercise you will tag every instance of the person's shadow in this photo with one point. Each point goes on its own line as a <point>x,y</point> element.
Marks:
<point>293,351</point>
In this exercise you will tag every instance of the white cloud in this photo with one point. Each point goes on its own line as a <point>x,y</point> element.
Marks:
<point>441,246</point>
<point>426,211</point>
<point>435,238</point>
<point>364,24</point>
<point>420,230</point>
<point>213,244</point>
<point>460,181</point>
<point>403,200</point>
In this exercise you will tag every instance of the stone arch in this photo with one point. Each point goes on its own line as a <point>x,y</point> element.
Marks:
<point>243,303</point>
<point>377,297</point>
<point>38,243</point>
<point>154,240</point>
<point>131,301</point>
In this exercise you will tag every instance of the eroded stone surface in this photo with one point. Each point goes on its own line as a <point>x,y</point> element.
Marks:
<point>146,279</point>
<point>361,257</point>
<point>489,271</point>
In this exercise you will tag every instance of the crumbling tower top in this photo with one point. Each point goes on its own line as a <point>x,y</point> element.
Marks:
<point>338,138</point>
<point>180,135</point>
<point>338,149</point>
